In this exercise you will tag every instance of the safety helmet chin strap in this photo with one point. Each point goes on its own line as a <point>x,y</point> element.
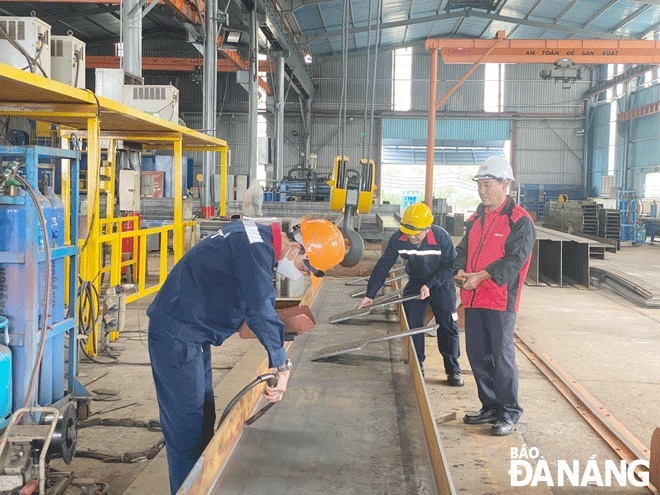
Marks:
<point>314,271</point>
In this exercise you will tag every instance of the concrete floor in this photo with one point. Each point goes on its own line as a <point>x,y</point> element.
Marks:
<point>608,344</point>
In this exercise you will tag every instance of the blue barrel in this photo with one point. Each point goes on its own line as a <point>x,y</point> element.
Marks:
<point>5,375</point>
<point>268,195</point>
<point>57,291</point>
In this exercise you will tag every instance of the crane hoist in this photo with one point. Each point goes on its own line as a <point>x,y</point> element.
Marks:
<point>352,191</point>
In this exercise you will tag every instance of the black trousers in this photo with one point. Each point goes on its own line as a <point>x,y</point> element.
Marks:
<point>492,355</point>
<point>443,305</point>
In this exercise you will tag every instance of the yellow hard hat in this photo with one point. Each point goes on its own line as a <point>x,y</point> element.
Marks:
<point>324,245</point>
<point>416,218</point>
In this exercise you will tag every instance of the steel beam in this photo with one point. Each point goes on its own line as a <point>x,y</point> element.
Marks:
<point>300,71</point>
<point>463,51</point>
<point>617,436</point>
<point>209,104</point>
<point>470,13</point>
<point>636,113</point>
<point>131,19</point>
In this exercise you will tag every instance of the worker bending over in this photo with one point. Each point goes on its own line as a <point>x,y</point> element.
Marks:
<point>223,281</point>
<point>430,254</point>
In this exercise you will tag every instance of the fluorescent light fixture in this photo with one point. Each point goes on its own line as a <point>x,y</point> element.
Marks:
<point>232,36</point>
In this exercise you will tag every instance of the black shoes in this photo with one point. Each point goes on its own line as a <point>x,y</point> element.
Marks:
<point>502,428</point>
<point>482,417</point>
<point>455,380</point>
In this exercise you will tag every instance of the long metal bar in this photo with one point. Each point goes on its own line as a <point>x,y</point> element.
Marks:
<point>278,166</point>
<point>468,73</point>
<point>253,111</point>
<point>209,106</point>
<point>439,461</point>
<point>132,37</point>
<point>223,182</point>
<point>430,135</point>
<point>177,190</point>
<point>617,436</point>
<point>462,51</point>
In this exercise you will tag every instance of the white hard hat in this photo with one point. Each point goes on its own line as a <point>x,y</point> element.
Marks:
<point>495,168</point>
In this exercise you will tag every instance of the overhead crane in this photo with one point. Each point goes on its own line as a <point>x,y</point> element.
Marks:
<point>522,51</point>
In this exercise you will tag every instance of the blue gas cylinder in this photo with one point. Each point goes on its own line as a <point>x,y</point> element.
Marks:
<point>56,240</point>
<point>5,374</point>
<point>57,291</point>
<point>12,282</point>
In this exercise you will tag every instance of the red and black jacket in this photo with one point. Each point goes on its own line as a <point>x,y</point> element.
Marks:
<point>500,242</point>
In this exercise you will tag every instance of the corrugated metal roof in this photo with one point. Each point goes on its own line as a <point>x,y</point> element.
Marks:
<point>412,21</point>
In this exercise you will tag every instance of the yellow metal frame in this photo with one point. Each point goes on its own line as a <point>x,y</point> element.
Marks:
<point>92,118</point>
<point>338,191</point>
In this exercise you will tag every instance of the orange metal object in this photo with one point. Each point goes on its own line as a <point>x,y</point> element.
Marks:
<point>183,8</point>
<point>639,112</point>
<point>463,51</point>
<point>238,61</point>
<point>187,10</point>
<point>492,48</point>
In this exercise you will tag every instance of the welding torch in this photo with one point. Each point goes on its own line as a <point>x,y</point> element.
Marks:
<point>270,379</point>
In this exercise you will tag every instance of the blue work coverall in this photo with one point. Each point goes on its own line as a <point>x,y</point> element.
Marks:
<point>429,264</point>
<point>224,280</point>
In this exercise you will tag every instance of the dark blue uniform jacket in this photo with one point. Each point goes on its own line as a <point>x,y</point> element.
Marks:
<point>429,264</point>
<point>224,280</point>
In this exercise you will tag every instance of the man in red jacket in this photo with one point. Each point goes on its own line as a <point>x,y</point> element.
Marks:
<point>491,265</point>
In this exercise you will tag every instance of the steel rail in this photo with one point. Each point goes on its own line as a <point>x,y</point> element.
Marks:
<point>437,455</point>
<point>623,442</point>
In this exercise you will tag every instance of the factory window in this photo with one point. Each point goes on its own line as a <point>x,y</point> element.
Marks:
<point>652,185</point>
<point>494,88</point>
<point>402,76</point>
<point>119,49</point>
<point>613,95</point>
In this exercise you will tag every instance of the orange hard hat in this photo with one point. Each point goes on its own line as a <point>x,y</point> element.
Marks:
<point>417,217</point>
<point>324,245</point>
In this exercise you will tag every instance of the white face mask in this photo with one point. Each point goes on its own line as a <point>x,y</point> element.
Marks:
<point>287,268</point>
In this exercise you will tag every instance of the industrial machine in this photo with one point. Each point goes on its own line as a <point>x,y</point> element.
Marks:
<point>305,183</point>
<point>352,191</point>
<point>38,291</point>
<point>161,101</point>
<point>67,60</point>
<point>25,44</point>
<point>564,71</point>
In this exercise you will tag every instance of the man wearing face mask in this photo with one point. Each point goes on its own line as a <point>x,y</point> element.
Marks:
<point>223,281</point>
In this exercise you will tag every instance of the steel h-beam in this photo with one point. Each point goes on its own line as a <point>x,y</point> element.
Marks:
<point>253,113</point>
<point>132,37</point>
<point>278,169</point>
<point>210,78</point>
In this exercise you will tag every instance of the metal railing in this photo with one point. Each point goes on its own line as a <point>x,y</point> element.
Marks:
<point>133,262</point>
